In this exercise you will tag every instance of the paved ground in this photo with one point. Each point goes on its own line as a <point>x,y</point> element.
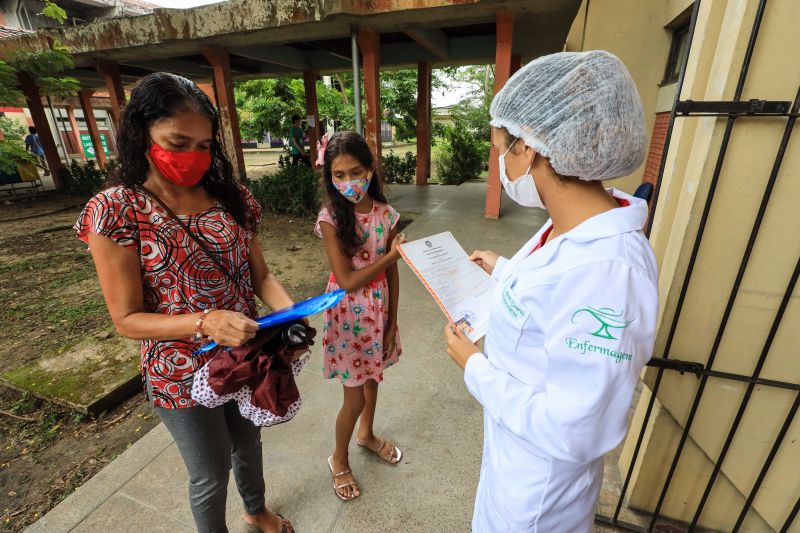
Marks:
<point>423,406</point>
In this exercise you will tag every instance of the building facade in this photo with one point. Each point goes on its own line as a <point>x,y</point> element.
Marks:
<point>718,449</point>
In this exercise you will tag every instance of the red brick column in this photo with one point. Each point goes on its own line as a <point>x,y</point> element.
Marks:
<point>85,96</point>
<point>34,100</point>
<point>219,60</point>
<point>656,151</point>
<point>369,43</point>
<point>502,71</point>
<point>423,122</point>
<point>109,70</point>
<point>310,84</point>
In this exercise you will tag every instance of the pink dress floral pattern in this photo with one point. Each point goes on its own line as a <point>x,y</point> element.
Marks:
<point>352,339</point>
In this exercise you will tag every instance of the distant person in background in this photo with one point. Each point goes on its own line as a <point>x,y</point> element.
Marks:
<point>34,144</point>
<point>296,143</point>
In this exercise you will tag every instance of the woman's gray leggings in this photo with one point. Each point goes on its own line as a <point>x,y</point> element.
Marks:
<point>210,441</point>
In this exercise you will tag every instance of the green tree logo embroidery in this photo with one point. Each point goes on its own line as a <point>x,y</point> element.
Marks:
<point>607,317</point>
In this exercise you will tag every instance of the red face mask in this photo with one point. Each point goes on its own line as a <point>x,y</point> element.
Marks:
<point>181,168</point>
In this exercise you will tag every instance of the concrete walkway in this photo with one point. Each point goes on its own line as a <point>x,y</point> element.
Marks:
<point>423,406</point>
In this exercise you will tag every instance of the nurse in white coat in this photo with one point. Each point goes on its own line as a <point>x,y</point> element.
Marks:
<point>573,317</point>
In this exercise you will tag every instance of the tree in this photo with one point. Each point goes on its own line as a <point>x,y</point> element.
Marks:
<point>44,66</point>
<point>399,101</point>
<point>472,113</point>
<point>12,148</point>
<point>268,105</point>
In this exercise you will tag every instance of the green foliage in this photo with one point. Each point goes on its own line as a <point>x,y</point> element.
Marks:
<point>473,116</point>
<point>52,11</point>
<point>399,170</point>
<point>399,101</point>
<point>284,160</point>
<point>85,178</point>
<point>9,94</point>
<point>466,143</point>
<point>268,105</point>
<point>462,157</point>
<point>292,190</point>
<point>44,66</point>
<point>336,104</point>
<point>12,146</point>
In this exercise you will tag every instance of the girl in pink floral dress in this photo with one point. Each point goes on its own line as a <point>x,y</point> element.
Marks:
<point>360,337</point>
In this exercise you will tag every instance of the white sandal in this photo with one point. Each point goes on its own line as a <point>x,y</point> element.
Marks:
<point>396,452</point>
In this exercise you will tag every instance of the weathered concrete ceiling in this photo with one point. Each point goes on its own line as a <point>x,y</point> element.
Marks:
<point>284,37</point>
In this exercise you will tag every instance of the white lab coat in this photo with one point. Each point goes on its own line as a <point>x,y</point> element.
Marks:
<point>571,327</point>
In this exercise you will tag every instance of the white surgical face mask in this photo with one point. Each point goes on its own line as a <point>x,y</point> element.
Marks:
<point>523,189</point>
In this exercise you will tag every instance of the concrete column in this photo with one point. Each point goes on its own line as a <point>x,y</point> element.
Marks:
<point>85,96</point>
<point>369,43</point>
<point>423,122</point>
<point>219,60</point>
<point>76,133</point>
<point>34,100</point>
<point>109,70</point>
<point>310,82</point>
<point>502,71</point>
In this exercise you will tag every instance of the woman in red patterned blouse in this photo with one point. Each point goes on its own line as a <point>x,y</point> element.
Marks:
<point>163,288</point>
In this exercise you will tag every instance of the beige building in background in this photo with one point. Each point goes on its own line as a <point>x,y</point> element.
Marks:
<point>650,37</point>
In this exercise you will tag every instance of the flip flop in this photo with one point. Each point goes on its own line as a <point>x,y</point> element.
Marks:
<point>336,487</point>
<point>395,452</point>
<point>286,526</point>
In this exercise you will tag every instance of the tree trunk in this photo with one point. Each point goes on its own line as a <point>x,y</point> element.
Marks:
<point>342,90</point>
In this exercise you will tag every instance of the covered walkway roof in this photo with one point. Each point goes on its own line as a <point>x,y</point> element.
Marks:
<point>267,38</point>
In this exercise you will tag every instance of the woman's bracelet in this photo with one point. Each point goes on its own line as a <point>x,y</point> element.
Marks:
<point>198,326</point>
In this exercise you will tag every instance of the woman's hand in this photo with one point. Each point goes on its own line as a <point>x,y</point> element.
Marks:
<point>301,352</point>
<point>396,242</point>
<point>459,347</point>
<point>229,328</point>
<point>389,340</point>
<point>484,259</point>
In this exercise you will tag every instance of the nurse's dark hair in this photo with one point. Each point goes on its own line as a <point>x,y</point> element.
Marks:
<point>341,209</point>
<point>159,96</point>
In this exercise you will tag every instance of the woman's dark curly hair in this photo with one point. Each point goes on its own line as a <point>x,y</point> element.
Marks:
<point>161,95</point>
<point>343,210</point>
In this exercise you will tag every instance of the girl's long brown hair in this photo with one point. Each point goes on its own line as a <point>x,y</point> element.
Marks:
<point>343,210</point>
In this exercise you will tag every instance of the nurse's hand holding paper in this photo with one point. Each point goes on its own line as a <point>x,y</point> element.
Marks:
<point>571,318</point>
<point>484,259</point>
<point>459,347</point>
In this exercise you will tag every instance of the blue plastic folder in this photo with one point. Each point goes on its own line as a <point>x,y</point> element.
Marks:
<point>309,307</point>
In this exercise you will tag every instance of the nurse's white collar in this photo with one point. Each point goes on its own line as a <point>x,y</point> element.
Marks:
<point>609,223</point>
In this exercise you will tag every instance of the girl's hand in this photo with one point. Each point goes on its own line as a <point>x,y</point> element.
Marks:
<point>389,340</point>
<point>484,259</point>
<point>459,347</point>
<point>396,242</point>
<point>229,328</point>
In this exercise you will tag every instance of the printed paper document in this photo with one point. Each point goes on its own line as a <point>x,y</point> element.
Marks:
<point>460,287</point>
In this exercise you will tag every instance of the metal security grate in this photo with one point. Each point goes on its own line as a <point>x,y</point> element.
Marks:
<point>733,111</point>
